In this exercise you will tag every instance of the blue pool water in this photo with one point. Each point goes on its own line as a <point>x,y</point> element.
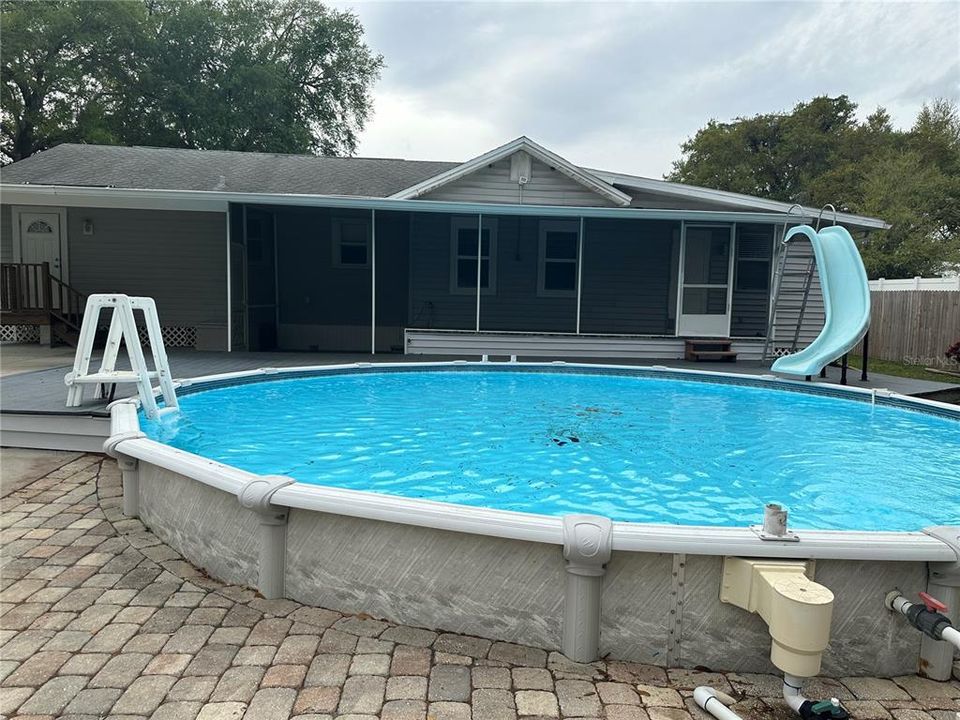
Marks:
<point>631,448</point>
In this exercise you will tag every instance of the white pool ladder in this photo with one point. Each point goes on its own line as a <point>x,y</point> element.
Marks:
<point>123,327</point>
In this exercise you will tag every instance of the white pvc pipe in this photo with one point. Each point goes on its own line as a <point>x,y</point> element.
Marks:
<point>952,636</point>
<point>710,700</point>
<point>793,692</point>
<point>901,605</point>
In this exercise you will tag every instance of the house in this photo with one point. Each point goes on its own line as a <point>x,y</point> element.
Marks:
<point>290,252</point>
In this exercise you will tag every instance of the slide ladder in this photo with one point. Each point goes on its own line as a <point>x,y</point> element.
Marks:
<point>123,328</point>
<point>846,300</point>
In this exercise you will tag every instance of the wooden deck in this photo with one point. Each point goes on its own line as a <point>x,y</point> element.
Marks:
<point>33,411</point>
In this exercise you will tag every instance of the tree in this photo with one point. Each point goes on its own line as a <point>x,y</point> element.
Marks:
<point>288,76</point>
<point>51,56</point>
<point>820,153</point>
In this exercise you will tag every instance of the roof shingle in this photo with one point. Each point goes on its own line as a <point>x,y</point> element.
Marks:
<point>181,169</point>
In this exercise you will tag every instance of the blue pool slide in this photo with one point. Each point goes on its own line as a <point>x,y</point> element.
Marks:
<point>846,300</point>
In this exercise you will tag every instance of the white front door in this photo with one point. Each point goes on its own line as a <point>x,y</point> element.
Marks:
<point>40,240</point>
<point>706,269</point>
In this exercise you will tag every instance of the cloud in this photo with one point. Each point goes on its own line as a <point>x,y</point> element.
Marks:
<point>621,85</point>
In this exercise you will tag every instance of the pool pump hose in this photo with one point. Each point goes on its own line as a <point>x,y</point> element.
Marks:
<point>926,616</point>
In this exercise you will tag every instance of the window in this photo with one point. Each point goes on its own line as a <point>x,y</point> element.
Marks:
<point>753,258</point>
<point>463,256</point>
<point>351,242</point>
<point>557,272</point>
<point>39,226</point>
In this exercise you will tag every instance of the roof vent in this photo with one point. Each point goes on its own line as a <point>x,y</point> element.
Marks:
<point>520,167</point>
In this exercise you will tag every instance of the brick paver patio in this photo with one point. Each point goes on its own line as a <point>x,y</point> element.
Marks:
<point>100,619</point>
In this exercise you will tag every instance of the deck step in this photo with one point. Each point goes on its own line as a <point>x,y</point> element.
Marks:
<point>715,349</point>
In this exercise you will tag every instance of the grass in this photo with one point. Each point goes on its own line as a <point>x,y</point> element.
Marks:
<point>887,367</point>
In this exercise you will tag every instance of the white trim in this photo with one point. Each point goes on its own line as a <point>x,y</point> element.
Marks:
<point>229,286</point>
<point>216,201</point>
<point>336,241</point>
<point>665,187</point>
<point>17,210</point>
<point>469,222</point>
<point>525,144</point>
<point>554,225</point>
<point>372,256</point>
<point>687,332</point>
<point>490,261</point>
<point>579,271</point>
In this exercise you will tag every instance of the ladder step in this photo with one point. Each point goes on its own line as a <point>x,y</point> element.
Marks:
<point>117,376</point>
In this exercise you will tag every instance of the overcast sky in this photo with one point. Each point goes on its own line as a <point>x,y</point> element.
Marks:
<point>619,86</point>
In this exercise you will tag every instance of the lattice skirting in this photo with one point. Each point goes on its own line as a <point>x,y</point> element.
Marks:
<point>781,351</point>
<point>174,336</point>
<point>19,333</point>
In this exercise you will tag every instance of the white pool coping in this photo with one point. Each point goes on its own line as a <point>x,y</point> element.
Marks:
<point>127,440</point>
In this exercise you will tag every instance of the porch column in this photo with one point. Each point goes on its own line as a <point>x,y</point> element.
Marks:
<point>373,282</point>
<point>579,271</point>
<point>229,289</point>
<point>479,263</point>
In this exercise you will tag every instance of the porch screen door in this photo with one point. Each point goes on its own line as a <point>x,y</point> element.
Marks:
<point>706,270</point>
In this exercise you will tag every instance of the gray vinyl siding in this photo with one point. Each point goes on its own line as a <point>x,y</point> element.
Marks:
<point>750,308</point>
<point>6,233</point>
<point>788,305</point>
<point>629,277</point>
<point>546,186</point>
<point>176,257</point>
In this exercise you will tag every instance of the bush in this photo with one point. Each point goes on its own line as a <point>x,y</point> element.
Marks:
<point>953,352</point>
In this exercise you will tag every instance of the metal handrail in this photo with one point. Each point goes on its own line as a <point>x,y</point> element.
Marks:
<point>820,216</point>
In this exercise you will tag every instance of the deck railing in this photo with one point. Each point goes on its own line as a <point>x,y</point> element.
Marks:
<point>29,294</point>
<point>25,288</point>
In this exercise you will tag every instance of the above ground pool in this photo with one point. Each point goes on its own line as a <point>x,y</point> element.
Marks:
<point>637,447</point>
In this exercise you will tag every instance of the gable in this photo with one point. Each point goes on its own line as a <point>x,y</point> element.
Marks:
<point>495,183</point>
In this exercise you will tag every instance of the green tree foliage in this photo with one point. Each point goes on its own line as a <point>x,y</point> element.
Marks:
<point>821,153</point>
<point>258,75</point>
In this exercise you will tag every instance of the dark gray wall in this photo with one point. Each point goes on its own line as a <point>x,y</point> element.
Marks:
<point>314,292</point>
<point>514,305</point>
<point>750,308</point>
<point>629,277</point>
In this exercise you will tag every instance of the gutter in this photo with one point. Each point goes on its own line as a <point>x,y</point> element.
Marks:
<point>219,201</point>
<point>665,187</point>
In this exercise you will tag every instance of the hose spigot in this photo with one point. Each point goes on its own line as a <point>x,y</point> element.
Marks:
<point>824,710</point>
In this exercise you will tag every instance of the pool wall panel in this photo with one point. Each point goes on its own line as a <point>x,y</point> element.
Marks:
<point>478,585</point>
<point>205,525</point>
<point>715,634</point>
<point>636,606</point>
<point>512,590</point>
<point>866,638</point>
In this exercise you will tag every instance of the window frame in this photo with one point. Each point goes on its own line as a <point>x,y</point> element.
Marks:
<point>554,225</point>
<point>468,222</point>
<point>337,241</point>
